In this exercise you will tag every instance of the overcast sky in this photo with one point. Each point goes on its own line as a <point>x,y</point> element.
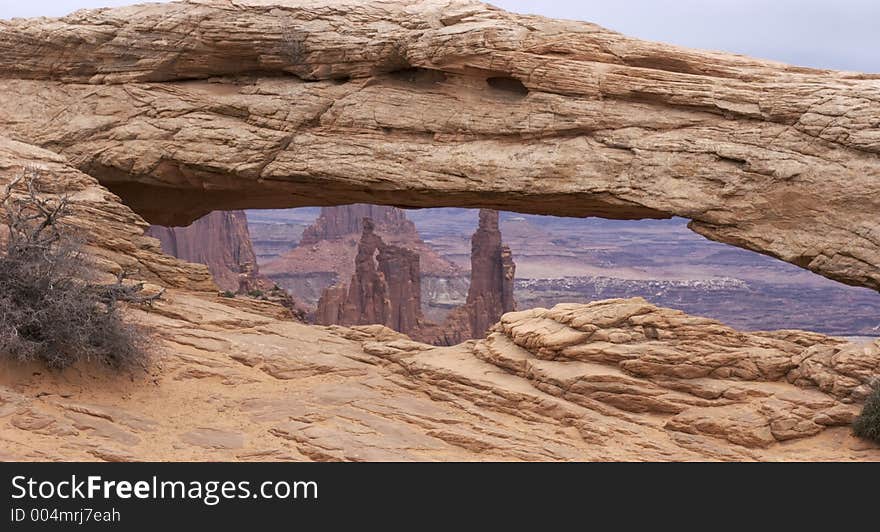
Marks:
<point>841,34</point>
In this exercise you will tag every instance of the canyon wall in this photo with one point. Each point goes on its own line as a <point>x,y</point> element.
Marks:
<point>220,241</point>
<point>336,222</point>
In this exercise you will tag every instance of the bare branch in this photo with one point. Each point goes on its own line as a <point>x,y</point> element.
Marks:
<point>49,310</point>
<point>7,192</point>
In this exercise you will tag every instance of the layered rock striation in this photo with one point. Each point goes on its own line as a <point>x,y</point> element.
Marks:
<point>235,379</point>
<point>113,234</point>
<point>770,157</point>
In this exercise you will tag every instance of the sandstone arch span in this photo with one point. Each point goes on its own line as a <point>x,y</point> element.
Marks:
<point>195,106</point>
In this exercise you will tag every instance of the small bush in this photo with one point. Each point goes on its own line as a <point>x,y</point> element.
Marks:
<point>49,310</point>
<point>256,294</point>
<point>867,425</point>
<point>229,294</point>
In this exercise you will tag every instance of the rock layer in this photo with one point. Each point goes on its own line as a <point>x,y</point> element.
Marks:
<point>236,380</point>
<point>698,376</point>
<point>113,234</point>
<point>220,241</point>
<point>186,108</point>
<point>613,380</point>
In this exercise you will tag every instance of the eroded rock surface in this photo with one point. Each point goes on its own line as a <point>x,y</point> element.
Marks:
<point>577,382</point>
<point>439,103</point>
<point>698,375</point>
<point>113,233</point>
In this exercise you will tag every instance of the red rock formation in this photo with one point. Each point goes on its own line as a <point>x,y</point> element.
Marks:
<point>492,281</point>
<point>331,305</point>
<point>367,301</point>
<point>326,253</point>
<point>401,269</point>
<point>385,288</point>
<point>220,241</point>
<point>337,222</point>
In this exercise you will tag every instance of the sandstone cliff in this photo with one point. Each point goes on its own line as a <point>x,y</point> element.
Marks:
<point>490,294</point>
<point>220,241</point>
<point>191,107</point>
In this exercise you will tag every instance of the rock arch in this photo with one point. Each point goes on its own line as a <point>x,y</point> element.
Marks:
<point>190,107</point>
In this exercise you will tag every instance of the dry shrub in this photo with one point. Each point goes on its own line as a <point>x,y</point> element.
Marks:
<point>867,425</point>
<point>49,310</point>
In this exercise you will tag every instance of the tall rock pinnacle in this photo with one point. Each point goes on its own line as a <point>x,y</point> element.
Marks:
<point>492,281</point>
